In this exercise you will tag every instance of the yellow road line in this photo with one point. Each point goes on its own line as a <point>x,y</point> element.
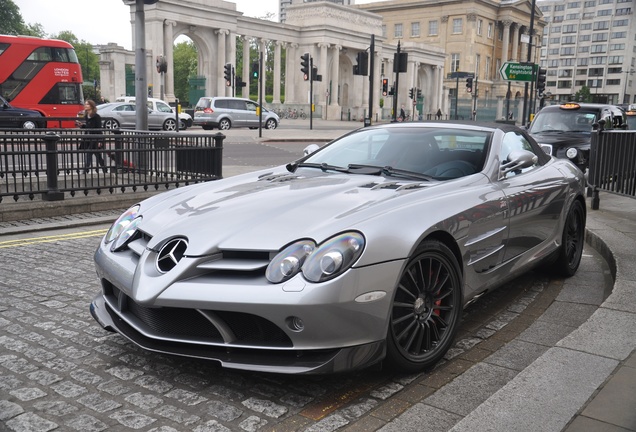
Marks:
<point>49,239</point>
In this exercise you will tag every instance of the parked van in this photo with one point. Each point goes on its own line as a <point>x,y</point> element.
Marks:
<point>185,120</point>
<point>228,112</point>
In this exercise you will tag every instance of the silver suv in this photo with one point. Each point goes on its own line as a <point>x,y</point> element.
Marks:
<point>228,112</point>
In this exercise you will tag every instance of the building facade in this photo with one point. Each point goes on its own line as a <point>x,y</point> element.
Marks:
<point>284,4</point>
<point>478,37</point>
<point>589,43</point>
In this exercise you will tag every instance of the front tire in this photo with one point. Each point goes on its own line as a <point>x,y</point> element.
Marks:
<point>426,309</point>
<point>572,241</point>
<point>170,125</point>
<point>271,124</point>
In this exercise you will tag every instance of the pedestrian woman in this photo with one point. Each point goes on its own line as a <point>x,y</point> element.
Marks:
<point>92,145</point>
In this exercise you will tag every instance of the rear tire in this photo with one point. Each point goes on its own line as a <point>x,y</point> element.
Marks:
<point>225,124</point>
<point>426,309</point>
<point>111,124</point>
<point>572,241</point>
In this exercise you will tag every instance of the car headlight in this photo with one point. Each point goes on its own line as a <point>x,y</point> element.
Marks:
<point>288,262</point>
<point>571,153</point>
<point>121,223</point>
<point>126,234</point>
<point>317,264</point>
<point>333,257</point>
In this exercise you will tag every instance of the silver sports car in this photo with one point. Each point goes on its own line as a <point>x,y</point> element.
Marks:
<point>365,250</point>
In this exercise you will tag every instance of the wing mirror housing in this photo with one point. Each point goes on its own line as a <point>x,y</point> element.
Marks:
<point>517,160</point>
<point>310,149</point>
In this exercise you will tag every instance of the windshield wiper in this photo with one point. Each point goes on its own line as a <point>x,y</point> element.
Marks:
<point>395,172</point>
<point>365,170</point>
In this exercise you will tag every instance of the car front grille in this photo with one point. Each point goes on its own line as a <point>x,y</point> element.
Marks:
<point>195,326</point>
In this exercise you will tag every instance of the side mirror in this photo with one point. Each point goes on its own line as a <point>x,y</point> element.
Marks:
<point>310,149</point>
<point>518,159</point>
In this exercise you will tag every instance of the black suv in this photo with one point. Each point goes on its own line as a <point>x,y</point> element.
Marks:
<point>564,130</point>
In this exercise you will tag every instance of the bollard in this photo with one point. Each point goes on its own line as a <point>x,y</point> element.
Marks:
<point>218,154</point>
<point>595,199</point>
<point>52,193</point>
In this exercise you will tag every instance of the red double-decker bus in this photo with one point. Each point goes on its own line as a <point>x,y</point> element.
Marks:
<point>42,75</point>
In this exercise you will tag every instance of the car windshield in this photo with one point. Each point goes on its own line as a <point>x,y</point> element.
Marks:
<point>440,153</point>
<point>580,121</point>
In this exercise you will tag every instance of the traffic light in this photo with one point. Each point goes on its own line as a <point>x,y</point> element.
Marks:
<point>162,64</point>
<point>255,67</point>
<point>385,86</point>
<point>304,66</point>
<point>392,91</point>
<point>419,93</point>
<point>227,74</point>
<point>469,84</point>
<point>411,92</point>
<point>239,83</point>
<point>541,75</point>
<point>362,68</point>
<point>314,74</point>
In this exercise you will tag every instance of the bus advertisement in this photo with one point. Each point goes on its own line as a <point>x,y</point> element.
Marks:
<point>42,75</point>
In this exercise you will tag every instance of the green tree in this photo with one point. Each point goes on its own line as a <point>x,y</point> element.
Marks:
<point>11,21</point>
<point>583,95</point>
<point>186,59</point>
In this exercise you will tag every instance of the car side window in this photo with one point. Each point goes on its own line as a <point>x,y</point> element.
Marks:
<point>251,106</point>
<point>162,107</point>
<point>513,141</point>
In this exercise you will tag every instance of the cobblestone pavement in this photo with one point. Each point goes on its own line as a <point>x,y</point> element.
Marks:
<point>60,371</point>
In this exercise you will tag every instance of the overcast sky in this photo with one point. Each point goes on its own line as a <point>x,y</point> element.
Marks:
<point>104,21</point>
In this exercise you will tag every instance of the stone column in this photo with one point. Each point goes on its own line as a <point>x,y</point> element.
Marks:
<point>262,48</point>
<point>506,40</point>
<point>277,71</point>
<point>334,108</point>
<point>321,88</point>
<point>292,65</point>
<point>515,43</point>
<point>377,86</point>
<point>168,44</point>
<point>221,88</point>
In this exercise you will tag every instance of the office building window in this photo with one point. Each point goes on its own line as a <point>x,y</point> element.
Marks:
<point>397,31</point>
<point>458,25</point>
<point>432,28</point>
<point>415,29</point>
<point>454,62</point>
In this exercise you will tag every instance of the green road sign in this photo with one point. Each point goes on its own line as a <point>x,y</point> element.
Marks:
<point>517,71</point>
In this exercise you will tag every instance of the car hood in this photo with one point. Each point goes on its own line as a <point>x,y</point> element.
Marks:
<point>266,212</point>
<point>563,139</point>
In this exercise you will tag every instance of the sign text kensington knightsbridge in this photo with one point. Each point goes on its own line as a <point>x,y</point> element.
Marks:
<point>517,71</point>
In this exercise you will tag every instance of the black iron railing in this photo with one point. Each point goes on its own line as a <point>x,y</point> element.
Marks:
<point>54,164</point>
<point>612,163</point>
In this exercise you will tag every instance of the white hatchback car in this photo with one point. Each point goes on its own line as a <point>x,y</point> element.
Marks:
<point>185,119</point>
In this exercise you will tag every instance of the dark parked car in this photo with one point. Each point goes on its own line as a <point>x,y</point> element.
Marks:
<point>19,118</point>
<point>565,130</point>
<point>364,250</point>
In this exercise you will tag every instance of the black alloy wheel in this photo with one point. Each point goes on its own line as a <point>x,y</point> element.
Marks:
<point>426,309</point>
